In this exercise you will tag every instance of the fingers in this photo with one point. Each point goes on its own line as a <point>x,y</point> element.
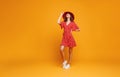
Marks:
<point>62,13</point>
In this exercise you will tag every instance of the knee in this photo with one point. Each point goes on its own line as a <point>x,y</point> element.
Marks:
<point>70,50</point>
<point>61,48</point>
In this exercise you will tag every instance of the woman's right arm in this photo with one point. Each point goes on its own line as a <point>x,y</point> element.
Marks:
<point>60,18</point>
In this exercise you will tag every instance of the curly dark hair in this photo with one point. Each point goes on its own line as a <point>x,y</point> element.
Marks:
<point>71,16</point>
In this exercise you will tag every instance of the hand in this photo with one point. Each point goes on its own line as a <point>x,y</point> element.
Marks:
<point>60,18</point>
<point>77,29</point>
<point>62,13</point>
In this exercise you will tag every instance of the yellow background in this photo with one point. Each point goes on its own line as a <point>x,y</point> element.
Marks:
<point>29,29</point>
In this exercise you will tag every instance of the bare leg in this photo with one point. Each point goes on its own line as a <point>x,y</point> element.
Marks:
<point>62,52</point>
<point>70,54</point>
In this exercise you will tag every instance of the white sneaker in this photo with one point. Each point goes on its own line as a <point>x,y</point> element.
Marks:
<point>64,63</point>
<point>67,66</point>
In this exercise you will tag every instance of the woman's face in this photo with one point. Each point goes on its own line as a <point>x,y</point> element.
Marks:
<point>68,15</point>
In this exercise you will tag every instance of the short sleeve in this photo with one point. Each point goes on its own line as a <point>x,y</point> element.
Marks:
<point>61,25</point>
<point>74,26</point>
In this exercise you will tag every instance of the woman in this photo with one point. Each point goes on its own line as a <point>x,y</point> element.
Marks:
<point>67,41</point>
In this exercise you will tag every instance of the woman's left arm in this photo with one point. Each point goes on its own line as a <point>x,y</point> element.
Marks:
<point>77,30</point>
<point>75,27</point>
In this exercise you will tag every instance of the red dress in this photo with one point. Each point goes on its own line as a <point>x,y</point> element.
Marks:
<point>68,39</point>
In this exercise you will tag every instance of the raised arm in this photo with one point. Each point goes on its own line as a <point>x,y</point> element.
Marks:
<point>60,18</point>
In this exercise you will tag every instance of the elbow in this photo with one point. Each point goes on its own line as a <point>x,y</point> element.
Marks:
<point>58,22</point>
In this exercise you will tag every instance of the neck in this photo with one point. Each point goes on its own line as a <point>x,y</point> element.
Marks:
<point>68,19</point>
